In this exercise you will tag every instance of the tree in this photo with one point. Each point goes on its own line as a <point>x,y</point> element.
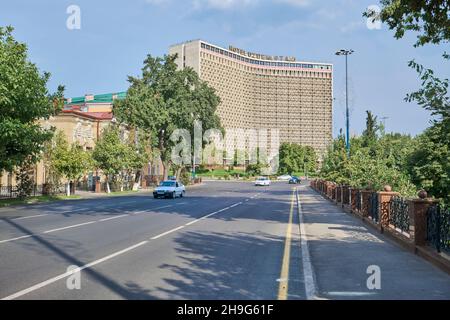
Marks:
<point>296,158</point>
<point>370,134</point>
<point>24,100</point>
<point>71,162</point>
<point>165,98</point>
<point>429,163</point>
<point>374,161</point>
<point>115,157</point>
<point>429,18</point>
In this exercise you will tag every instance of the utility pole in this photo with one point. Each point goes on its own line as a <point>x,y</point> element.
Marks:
<point>346,53</point>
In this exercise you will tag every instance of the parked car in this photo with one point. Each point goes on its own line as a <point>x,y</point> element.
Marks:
<point>262,181</point>
<point>295,180</point>
<point>285,177</point>
<point>169,189</point>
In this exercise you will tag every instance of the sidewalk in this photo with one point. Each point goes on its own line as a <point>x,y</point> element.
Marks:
<point>342,248</point>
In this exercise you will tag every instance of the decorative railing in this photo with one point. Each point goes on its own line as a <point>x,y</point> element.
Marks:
<point>12,192</point>
<point>346,195</point>
<point>358,201</point>
<point>399,214</point>
<point>374,207</point>
<point>438,227</point>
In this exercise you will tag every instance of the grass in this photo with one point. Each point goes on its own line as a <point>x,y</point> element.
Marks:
<point>220,173</point>
<point>35,200</point>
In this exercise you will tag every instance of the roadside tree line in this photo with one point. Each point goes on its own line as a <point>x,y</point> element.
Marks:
<point>406,163</point>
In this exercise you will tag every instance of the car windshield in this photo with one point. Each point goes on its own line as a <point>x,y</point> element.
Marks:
<point>262,178</point>
<point>167,184</point>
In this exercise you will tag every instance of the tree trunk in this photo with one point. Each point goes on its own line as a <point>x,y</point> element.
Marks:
<point>68,189</point>
<point>108,189</point>
<point>165,170</point>
<point>178,174</point>
<point>137,180</point>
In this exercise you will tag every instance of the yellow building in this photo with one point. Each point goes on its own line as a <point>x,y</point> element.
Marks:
<point>82,120</point>
<point>265,92</point>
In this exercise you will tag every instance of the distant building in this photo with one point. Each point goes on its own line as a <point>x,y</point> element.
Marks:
<point>82,120</point>
<point>259,91</point>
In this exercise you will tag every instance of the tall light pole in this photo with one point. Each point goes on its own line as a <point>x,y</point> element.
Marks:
<point>346,53</point>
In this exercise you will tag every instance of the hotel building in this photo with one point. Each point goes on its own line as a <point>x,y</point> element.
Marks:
<point>265,92</point>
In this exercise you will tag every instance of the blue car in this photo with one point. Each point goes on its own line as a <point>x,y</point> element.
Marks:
<point>295,180</point>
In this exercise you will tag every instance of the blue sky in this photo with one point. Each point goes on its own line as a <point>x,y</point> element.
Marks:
<point>116,35</point>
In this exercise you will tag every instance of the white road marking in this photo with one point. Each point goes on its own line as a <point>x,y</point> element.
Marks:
<point>29,217</point>
<point>308,273</point>
<point>112,218</point>
<point>89,265</point>
<point>70,227</point>
<point>350,293</point>
<point>18,238</point>
<point>166,233</point>
<point>66,274</point>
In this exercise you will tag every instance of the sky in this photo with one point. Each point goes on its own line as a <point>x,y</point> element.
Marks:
<point>116,35</point>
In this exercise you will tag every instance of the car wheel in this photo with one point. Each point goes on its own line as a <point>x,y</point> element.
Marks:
<point>182,194</point>
<point>156,197</point>
<point>174,195</point>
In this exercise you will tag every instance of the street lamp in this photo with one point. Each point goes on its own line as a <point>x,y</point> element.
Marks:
<point>346,53</point>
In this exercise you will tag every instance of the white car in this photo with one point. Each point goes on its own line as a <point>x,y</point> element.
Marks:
<point>262,181</point>
<point>169,189</point>
<point>285,177</point>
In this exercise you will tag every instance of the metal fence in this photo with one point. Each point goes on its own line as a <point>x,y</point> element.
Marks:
<point>116,187</point>
<point>399,214</point>
<point>438,227</point>
<point>12,192</point>
<point>359,200</point>
<point>374,207</point>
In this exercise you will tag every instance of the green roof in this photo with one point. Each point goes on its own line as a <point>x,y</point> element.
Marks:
<point>99,98</point>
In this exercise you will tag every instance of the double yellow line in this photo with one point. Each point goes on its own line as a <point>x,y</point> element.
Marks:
<point>284,276</point>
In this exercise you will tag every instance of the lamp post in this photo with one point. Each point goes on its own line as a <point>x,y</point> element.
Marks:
<point>346,53</point>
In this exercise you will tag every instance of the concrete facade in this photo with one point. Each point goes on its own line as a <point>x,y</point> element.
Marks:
<point>257,93</point>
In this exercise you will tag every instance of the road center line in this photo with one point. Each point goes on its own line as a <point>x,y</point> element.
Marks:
<point>112,218</point>
<point>18,238</point>
<point>70,227</point>
<point>167,232</point>
<point>308,272</point>
<point>284,275</point>
<point>29,217</point>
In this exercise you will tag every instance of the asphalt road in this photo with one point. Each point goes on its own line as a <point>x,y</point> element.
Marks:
<point>225,240</point>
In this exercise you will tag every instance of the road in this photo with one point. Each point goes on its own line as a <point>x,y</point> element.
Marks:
<point>225,240</point>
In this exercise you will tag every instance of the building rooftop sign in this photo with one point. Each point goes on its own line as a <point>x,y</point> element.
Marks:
<point>261,56</point>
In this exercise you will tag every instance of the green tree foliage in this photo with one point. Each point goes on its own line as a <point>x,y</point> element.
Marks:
<point>117,158</point>
<point>24,100</point>
<point>429,163</point>
<point>374,162</point>
<point>165,98</point>
<point>71,162</point>
<point>428,18</point>
<point>297,158</point>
